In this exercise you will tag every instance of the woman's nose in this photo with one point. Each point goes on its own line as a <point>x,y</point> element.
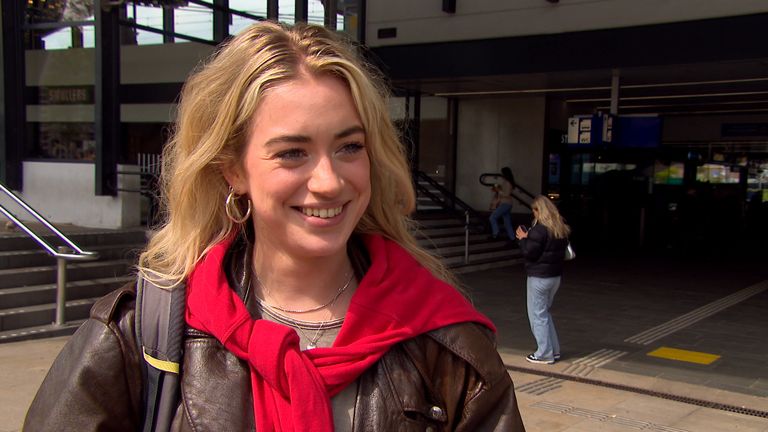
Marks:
<point>324,178</point>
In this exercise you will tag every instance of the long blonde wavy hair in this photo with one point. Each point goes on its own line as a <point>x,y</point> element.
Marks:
<point>548,215</point>
<point>217,105</point>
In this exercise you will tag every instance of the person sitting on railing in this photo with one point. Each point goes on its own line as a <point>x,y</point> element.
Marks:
<point>503,201</point>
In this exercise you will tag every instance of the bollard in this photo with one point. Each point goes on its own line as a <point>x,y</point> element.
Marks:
<point>61,286</point>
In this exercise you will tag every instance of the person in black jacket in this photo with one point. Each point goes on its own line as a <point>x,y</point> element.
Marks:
<point>543,247</point>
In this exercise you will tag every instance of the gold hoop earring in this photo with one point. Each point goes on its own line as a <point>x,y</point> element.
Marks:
<point>232,202</point>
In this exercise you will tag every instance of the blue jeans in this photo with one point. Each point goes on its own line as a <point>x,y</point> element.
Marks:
<point>541,292</point>
<point>502,211</point>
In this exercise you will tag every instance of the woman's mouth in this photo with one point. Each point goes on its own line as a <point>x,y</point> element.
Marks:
<point>322,213</point>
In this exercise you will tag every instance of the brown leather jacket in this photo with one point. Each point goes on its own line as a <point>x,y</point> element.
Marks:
<point>448,379</point>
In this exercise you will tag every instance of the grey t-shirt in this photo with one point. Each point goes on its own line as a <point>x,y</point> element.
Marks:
<point>322,335</point>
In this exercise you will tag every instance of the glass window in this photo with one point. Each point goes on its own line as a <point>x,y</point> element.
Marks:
<point>59,106</point>
<point>577,168</point>
<point>587,172</point>
<point>63,140</point>
<point>315,12</point>
<point>757,181</point>
<point>150,17</point>
<point>51,11</point>
<point>64,37</point>
<point>668,173</point>
<point>717,173</point>
<point>194,20</point>
<point>286,11</point>
<point>553,171</point>
<point>253,7</point>
<point>69,37</point>
<point>348,18</point>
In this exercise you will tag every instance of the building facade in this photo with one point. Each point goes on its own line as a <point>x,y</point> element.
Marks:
<point>642,117</point>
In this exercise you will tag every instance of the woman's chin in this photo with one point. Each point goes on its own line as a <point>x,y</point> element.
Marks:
<point>318,247</point>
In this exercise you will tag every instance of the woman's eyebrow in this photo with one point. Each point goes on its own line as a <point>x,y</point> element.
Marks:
<point>350,131</point>
<point>298,139</point>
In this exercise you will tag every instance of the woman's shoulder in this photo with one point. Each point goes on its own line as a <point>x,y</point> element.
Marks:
<point>116,304</point>
<point>473,343</point>
<point>538,231</point>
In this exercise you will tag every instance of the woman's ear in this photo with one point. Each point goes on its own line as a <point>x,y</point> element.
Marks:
<point>234,175</point>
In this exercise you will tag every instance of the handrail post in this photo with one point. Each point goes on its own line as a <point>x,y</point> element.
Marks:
<point>466,237</point>
<point>61,286</point>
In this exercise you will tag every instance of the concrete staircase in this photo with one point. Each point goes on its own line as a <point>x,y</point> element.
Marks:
<point>28,280</point>
<point>28,274</point>
<point>423,202</point>
<point>443,235</point>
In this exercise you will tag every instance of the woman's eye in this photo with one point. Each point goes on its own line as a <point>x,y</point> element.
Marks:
<point>290,154</point>
<point>351,148</point>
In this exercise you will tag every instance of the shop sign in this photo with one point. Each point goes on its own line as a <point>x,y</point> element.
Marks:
<point>71,95</point>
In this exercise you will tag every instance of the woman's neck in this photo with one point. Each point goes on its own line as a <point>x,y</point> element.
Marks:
<point>306,284</point>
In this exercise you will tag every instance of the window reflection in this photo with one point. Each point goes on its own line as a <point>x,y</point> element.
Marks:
<point>253,7</point>
<point>45,11</point>
<point>147,16</point>
<point>194,20</point>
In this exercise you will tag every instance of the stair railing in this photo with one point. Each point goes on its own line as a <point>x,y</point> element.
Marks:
<point>466,237</point>
<point>71,252</point>
<point>449,201</point>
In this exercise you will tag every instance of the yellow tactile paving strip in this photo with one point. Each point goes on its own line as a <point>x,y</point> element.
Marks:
<point>684,355</point>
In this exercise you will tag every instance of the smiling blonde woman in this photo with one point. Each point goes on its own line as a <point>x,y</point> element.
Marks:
<point>309,305</point>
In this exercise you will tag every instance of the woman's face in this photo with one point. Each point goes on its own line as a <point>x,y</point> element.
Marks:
<point>306,168</point>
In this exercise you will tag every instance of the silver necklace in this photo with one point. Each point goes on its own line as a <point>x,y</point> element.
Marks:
<point>295,324</point>
<point>312,341</point>
<point>301,311</point>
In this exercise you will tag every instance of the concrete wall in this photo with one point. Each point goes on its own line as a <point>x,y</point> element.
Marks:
<point>424,21</point>
<point>64,193</point>
<point>497,132</point>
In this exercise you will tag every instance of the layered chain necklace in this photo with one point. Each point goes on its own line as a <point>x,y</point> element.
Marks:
<point>333,299</point>
<point>276,309</point>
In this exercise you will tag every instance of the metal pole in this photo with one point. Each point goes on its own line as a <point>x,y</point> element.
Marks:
<point>61,286</point>
<point>615,86</point>
<point>466,237</point>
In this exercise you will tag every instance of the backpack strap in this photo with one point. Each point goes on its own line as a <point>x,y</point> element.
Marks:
<point>159,333</point>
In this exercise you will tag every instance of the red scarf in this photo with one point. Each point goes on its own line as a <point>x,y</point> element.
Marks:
<point>396,300</point>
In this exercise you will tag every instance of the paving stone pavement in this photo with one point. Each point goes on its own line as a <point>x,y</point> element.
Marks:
<point>602,383</point>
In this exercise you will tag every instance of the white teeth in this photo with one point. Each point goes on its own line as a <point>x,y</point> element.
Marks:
<point>322,213</point>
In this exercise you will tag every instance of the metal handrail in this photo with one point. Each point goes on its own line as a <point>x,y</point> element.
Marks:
<point>81,255</point>
<point>421,175</point>
<point>466,237</point>
<point>72,252</point>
